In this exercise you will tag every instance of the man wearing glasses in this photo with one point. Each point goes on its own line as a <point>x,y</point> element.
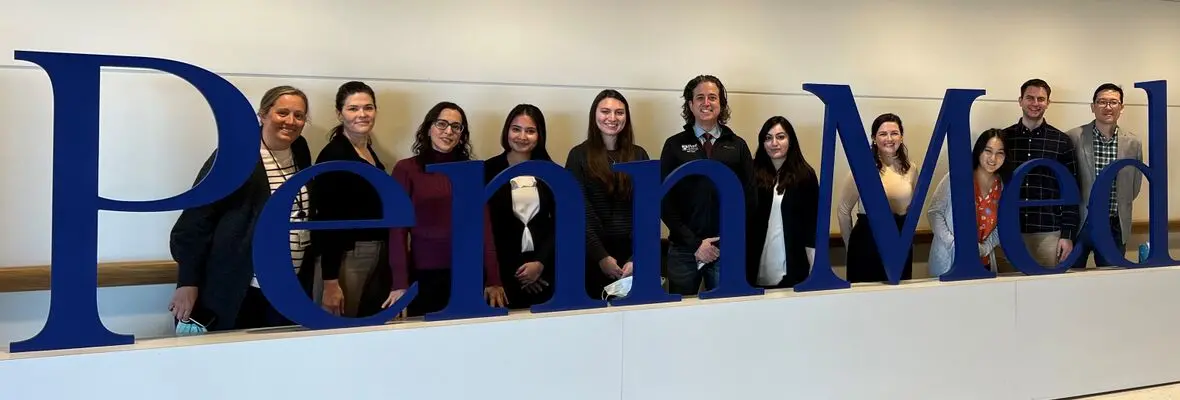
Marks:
<point>1099,143</point>
<point>1048,231</point>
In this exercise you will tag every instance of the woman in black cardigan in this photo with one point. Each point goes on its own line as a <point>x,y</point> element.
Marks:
<point>212,243</point>
<point>522,212</point>
<point>781,227</point>
<point>350,257</point>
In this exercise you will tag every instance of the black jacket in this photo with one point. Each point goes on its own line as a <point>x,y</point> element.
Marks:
<point>691,209</point>
<point>507,231</point>
<point>343,196</point>
<point>799,206</point>
<point>211,244</point>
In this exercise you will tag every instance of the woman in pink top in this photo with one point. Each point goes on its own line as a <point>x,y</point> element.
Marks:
<point>422,253</point>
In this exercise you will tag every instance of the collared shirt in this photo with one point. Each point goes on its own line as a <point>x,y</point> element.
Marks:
<point>716,131</point>
<point>1105,152</point>
<point>1044,141</point>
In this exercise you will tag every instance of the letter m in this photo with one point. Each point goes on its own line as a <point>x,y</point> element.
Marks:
<point>842,117</point>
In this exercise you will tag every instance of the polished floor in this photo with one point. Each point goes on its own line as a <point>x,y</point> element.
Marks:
<point>1168,392</point>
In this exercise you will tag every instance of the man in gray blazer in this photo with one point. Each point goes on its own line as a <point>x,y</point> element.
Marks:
<point>1100,143</point>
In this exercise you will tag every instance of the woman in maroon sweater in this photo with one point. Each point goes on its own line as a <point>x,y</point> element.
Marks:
<point>442,137</point>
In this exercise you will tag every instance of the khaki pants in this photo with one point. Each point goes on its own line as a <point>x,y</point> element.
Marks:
<point>1042,247</point>
<point>355,268</point>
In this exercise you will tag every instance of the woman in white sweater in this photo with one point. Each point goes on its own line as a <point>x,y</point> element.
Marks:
<point>898,176</point>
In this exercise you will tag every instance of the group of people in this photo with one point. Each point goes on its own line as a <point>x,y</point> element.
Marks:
<point>357,272</point>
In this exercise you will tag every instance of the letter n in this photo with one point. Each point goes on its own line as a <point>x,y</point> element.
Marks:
<point>648,190</point>
<point>73,320</point>
<point>469,197</point>
<point>842,117</point>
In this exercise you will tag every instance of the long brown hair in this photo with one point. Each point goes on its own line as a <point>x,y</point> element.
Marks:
<point>616,183</point>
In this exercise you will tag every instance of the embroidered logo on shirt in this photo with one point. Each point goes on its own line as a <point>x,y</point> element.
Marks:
<point>689,148</point>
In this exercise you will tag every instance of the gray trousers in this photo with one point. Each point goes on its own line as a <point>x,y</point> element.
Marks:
<point>355,267</point>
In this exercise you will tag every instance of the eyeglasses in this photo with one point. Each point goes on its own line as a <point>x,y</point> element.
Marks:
<point>442,125</point>
<point>1108,103</point>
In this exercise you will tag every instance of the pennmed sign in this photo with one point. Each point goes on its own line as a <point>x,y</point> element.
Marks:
<point>74,321</point>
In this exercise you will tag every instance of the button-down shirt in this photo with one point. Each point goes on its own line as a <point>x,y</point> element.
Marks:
<point>1105,152</point>
<point>1044,141</point>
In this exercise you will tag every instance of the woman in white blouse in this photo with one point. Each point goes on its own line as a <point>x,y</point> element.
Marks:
<point>898,176</point>
<point>781,227</point>
<point>522,212</point>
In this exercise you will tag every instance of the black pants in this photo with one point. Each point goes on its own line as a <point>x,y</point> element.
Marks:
<point>257,312</point>
<point>864,260</point>
<point>596,280</point>
<point>1087,246</point>
<point>434,291</point>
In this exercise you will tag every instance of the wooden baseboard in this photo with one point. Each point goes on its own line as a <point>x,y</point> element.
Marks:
<point>160,272</point>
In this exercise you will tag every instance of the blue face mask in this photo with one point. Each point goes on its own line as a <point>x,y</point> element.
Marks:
<point>190,328</point>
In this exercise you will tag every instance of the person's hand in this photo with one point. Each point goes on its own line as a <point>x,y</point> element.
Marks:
<point>333,301</point>
<point>393,297</point>
<point>1064,247</point>
<point>183,301</point>
<point>495,296</point>
<point>610,267</point>
<point>529,272</point>
<point>537,286</point>
<point>628,269</point>
<point>707,252</point>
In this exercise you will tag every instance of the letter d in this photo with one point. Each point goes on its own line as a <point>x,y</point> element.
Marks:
<point>73,320</point>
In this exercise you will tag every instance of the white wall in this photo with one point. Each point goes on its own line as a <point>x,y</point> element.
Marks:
<point>1046,337</point>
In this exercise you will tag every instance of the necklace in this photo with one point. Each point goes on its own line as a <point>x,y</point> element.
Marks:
<point>302,213</point>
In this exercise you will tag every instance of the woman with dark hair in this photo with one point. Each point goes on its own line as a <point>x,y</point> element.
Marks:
<point>610,139</point>
<point>348,257</point>
<point>781,227</point>
<point>987,160</point>
<point>898,178</point>
<point>422,253</point>
<point>216,287</point>
<point>523,211</point>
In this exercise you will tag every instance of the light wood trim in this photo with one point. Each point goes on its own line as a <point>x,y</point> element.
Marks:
<point>134,273</point>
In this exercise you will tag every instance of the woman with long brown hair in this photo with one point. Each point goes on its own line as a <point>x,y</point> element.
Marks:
<point>610,139</point>
<point>780,234</point>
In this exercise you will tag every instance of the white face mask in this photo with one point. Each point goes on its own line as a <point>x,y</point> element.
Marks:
<point>617,289</point>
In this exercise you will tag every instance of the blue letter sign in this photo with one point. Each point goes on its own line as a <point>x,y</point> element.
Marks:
<point>74,320</point>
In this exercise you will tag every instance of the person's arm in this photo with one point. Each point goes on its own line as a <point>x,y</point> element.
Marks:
<point>670,210</point>
<point>399,251</point>
<point>810,200</point>
<point>575,163</point>
<point>1069,212</point>
<point>491,265</point>
<point>849,195</point>
<point>546,244</point>
<point>1138,177</point>
<point>192,236</point>
<point>940,221</point>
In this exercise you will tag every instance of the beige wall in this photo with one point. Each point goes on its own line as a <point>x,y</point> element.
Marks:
<point>899,56</point>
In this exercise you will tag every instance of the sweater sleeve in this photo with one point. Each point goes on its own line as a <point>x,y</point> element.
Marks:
<point>575,163</point>
<point>399,252</point>
<point>192,236</point>
<point>849,196</point>
<point>670,210</point>
<point>490,263</point>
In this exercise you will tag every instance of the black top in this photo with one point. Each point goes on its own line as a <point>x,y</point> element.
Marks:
<point>691,209</point>
<point>799,207</point>
<point>507,230</point>
<point>608,217</point>
<point>1046,141</point>
<point>211,244</point>
<point>343,196</point>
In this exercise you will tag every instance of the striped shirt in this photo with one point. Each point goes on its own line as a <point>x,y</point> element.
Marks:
<point>608,217</point>
<point>280,165</point>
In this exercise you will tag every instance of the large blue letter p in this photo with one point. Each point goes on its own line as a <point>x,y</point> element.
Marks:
<point>73,304</point>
